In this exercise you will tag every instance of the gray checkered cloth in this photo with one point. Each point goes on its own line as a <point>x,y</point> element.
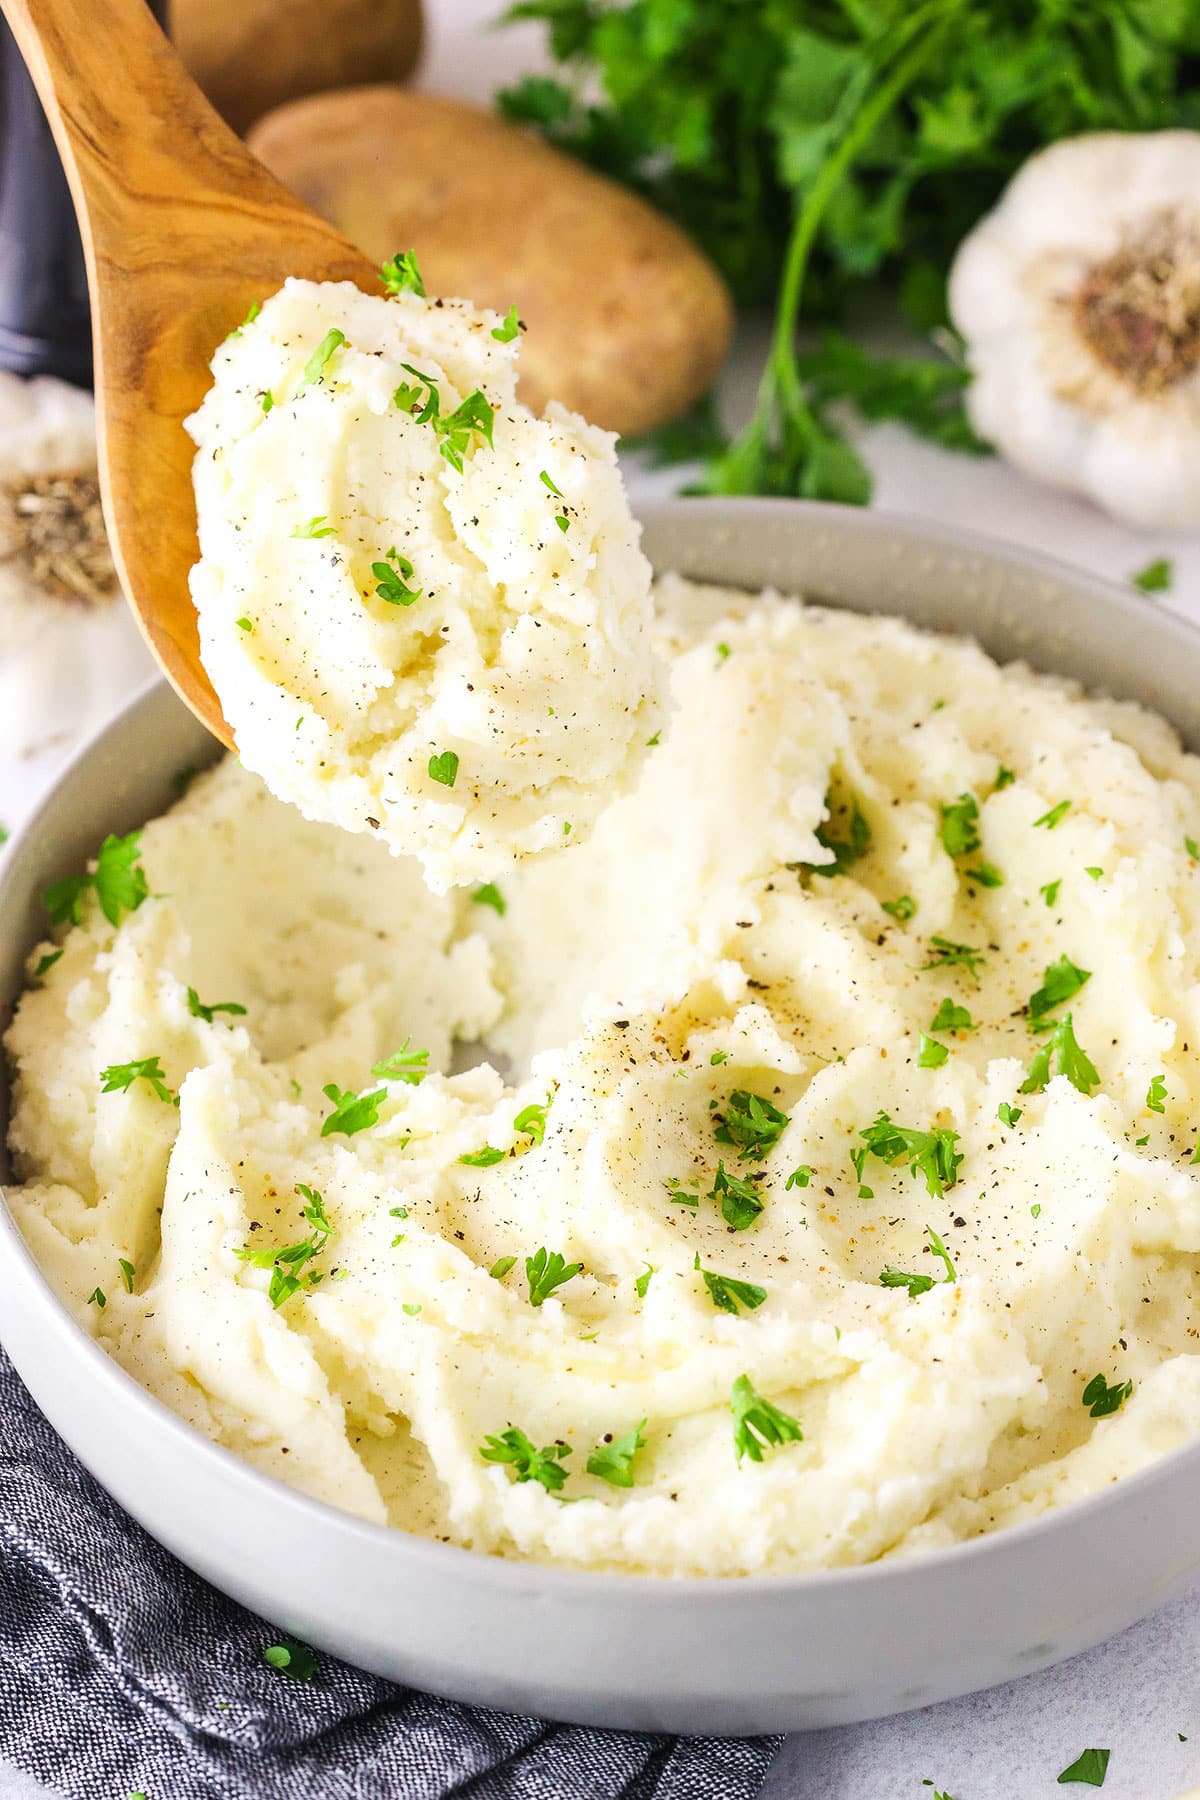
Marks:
<point>121,1671</point>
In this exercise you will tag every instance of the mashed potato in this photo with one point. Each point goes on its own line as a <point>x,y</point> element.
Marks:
<point>737,1044</point>
<point>405,574</point>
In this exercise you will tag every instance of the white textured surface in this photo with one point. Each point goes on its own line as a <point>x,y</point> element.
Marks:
<point>1136,1694</point>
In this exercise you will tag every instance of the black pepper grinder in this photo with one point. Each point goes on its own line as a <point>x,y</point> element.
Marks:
<point>45,326</point>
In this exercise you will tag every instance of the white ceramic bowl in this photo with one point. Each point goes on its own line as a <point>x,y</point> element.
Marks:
<point>761,1654</point>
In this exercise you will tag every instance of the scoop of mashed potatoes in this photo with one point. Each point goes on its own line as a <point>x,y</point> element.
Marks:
<point>797,1173</point>
<point>423,608</point>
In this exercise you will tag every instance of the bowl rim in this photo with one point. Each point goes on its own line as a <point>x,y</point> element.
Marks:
<point>514,1572</point>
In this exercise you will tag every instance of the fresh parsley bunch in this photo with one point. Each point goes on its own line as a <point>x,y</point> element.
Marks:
<point>813,145</point>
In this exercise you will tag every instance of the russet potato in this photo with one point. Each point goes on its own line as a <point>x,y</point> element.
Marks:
<point>627,321</point>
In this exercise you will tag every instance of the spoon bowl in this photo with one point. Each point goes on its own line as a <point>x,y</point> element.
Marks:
<point>183,230</point>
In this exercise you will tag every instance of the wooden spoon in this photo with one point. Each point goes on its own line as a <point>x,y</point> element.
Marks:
<point>182,230</point>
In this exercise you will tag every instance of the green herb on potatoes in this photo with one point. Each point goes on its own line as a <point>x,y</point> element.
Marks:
<point>392,576</point>
<point>1061,1052</point>
<point>1055,815</point>
<point>916,1284</point>
<point>759,1425</point>
<point>1101,1400</point>
<point>489,895</point>
<point>546,1271</point>
<point>1156,1094</point>
<point>945,954</point>
<point>951,1017</point>
<point>118,882</point>
<point>930,1054</point>
<point>443,767</point>
<point>199,1010</point>
<point>728,1294</point>
<point>751,1122</point>
<point>400,275</point>
<point>532,1121</point>
<point>351,1112</point>
<point>514,1449</point>
<point>740,1201</point>
<point>641,1286</point>
<point>901,909</point>
<point>482,1159</point>
<point>119,1078</point>
<point>286,1261</point>
<point>318,363</point>
<point>406,1064</point>
<point>1061,981</point>
<point>929,1154</point>
<point>958,827</point>
<point>316,527</point>
<point>505,333</point>
<point>612,1460</point>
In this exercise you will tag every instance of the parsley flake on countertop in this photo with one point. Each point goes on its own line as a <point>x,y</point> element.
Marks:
<point>119,1077</point>
<point>1061,981</point>
<point>351,1112</point>
<point>901,909</point>
<point>198,1009</point>
<point>407,1065</point>
<point>286,1261</point>
<point>729,1294</point>
<point>1156,577</point>
<point>1088,1769</point>
<point>741,1202</point>
<point>1156,1094</point>
<point>1052,818</point>
<point>612,1460</point>
<point>484,1158</point>
<point>642,1284</point>
<point>291,1658</point>
<point>400,275</point>
<point>1061,1047</point>
<point>958,822</point>
<point>527,1464</point>
<point>928,1153</point>
<point>443,768</point>
<point>489,895</point>
<point>317,527</point>
<point>1102,1400</point>
<point>545,1271</point>
<point>318,362</point>
<point>948,955</point>
<point>118,882</point>
<point>757,1424</point>
<point>504,334</point>
<point>392,576</point>
<point>752,1123</point>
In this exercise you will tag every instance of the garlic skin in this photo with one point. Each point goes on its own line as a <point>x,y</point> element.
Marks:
<point>1079,300</point>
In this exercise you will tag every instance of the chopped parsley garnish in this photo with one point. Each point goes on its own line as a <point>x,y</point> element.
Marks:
<point>653,742</point>
<point>1101,1400</point>
<point>1061,1047</point>
<point>752,1123</point>
<point>1156,1094</point>
<point>285,1262</point>
<point>939,1249</point>
<point>799,1177</point>
<point>986,874</point>
<point>1156,577</point>
<point>729,1294</point>
<point>504,334</point>
<point>1089,1769</point>
<point>489,895</point>
<point>612,1460</point>
<point>45,963</point>
<point>916,1284</point>
<point>244,624</point>
<point>682,1196</point>
<point>268,400</point>
<point>546,482</point>
<point>1008,1114</point>
<point>950,1017</point>
<point>318,527</point>
<point>407,397</point>
<point>443,768</point>
<point>740,1200</point>
<point>318,362</point>
<point>1192,848</point>
<point>532,1121</point>
<point>400,274</point>
<point>97,1297</point>
<point>931,1054</point>
<point>198,1009</point>
<point>545,1271</point>
<point>642,1284</point>
<point>757,1424</point>
<point>1061,981</point>
<point>461,431</point>
<point>1049,893</point>
<point>291,1658</point>
<point>118,1077</point>
<point>561,519</point>
<point>527,1463</point>
<point>845,851</point>
<point>351,1112</point>
<point>482,1159</point>
<point>407,1065</point>
<point>1056,813</point>
<point>1094,873</point>
<point>901,909</point>
<point>128,1273</point>
<point>946,955</point>
<point>501,1266</point>
<point>718,1057</point>
<point>392,576</point>
<point>957,829</point>
<point>930,1154</point>
<point>412,1308</point>
<point>118,882</point>
<point>1003,778</point>
<point>723,653</point>
<point>252,314</point>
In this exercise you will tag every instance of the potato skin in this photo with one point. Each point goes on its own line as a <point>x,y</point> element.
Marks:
<point>627,321</point>
<point>251,55</point>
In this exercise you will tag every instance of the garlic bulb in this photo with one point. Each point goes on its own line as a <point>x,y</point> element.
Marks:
<point>1079,300</point>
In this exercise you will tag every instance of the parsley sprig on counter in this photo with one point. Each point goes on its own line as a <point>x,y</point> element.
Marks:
<point>118,882</point>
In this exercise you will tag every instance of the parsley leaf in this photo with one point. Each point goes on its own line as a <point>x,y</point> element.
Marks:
<point>532,1121</point>
<point>291,1658</point>
<point>97,1298</point>
<point>844,851</point>
<point>799,1177</point>
<point>317,527</point>
<point>119,1077</point>
<point>392,576</point>
<point>740,1200</point>
<point>461,431</point>
<point>1156,577</point>
<point>286,1261</point>
<point>1061,981</point>
<point>527,1464</point>
<point>642,1284</point>
<point>351,1112</point>
<point>757,1424</point>
<point>729,1294</point>
<point>751,1122</point>
<point>400,275</point>
<point>198,1009</point>
<point>45,963</point>
<point>930,1154</point>
<point>482,1159</point>
<point>1061,1047</point>
<point>1192,848</point>
<point>950,1017</point>
<point>1156,1094</point>
<point>939,1249</point>
<point>410,1066</point>
<point>1003,778</point>
<point>489,895</point>
<point>916,1284</point>
<point>1052,818</point>
<point>931,1054</point>
<point>128,1272</point>
<point>1089,1769</point>
<point>118,881</point>
<point>1008,1114</point>
<point>1049,893</point>
<point>1101,1400</point>
<point>545,1271</point>
<point>505,333</point>
<point>612,1460</point>
<point>443,768</point>
<point>318,362</point>
<point>947,954</point>
<point>957,829</point>
<point>901,909</point>
<point>501,1266</point>
<point>986,874</point>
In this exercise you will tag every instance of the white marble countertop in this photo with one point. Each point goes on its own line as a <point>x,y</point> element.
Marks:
<point>1137,1695</point>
